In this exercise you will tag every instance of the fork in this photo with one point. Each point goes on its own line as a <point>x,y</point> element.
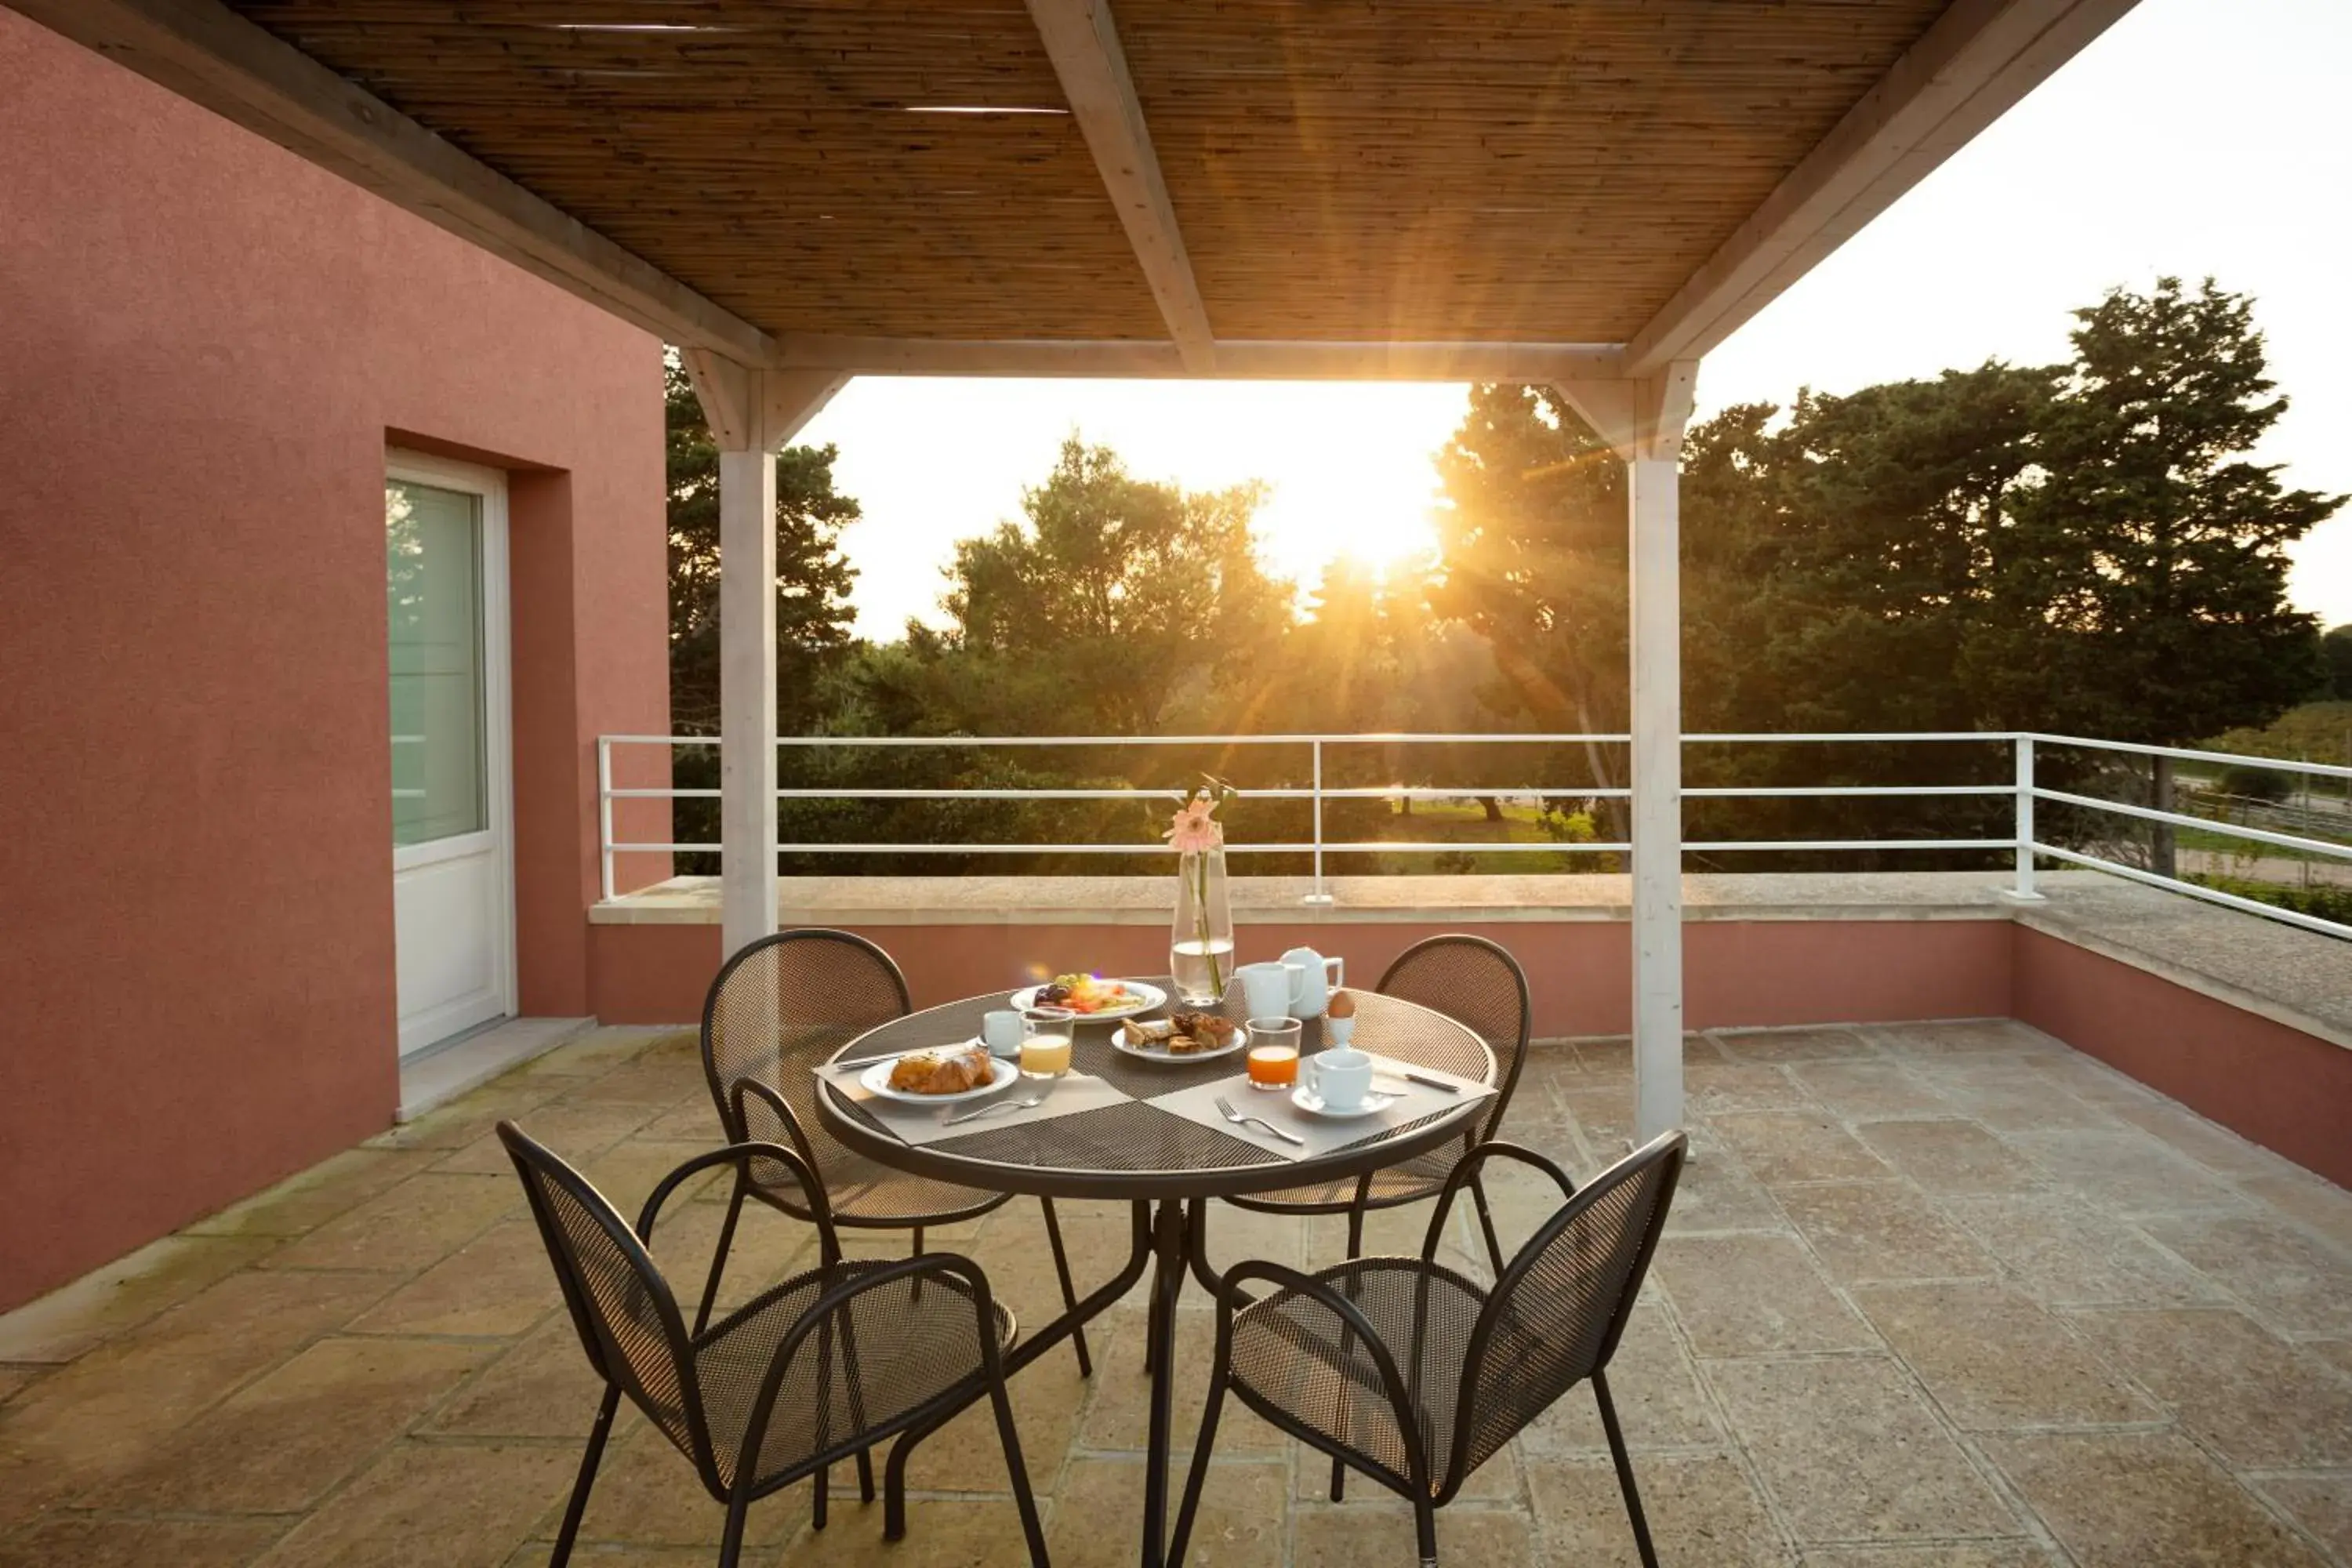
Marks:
<point>1225,1109</point>
<point>1033,1100</point>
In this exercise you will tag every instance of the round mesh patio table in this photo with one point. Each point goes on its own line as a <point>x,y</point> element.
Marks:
<point>1165,1165</point>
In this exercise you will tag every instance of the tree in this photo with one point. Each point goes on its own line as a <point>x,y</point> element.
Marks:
<point>1838,564</point>
<point>2146,597</point>
<point>1114,604</point>
<point>1532,545</point>
<point>812,579</point>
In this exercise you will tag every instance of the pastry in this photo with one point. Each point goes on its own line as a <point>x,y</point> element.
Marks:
<point>949,1071</point>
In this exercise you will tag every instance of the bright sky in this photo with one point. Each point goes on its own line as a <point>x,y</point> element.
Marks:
<point>2197,136</point>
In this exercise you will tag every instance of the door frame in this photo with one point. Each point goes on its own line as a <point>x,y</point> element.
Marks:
<point>489,486</point>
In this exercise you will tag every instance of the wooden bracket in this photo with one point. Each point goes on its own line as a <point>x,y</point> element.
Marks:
<point>1639,419</point>
<point>757,410</point>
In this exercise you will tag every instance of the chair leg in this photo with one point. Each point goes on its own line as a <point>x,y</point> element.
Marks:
<point>1486,1221</point>
<point>1202,1446</point>
<point>1069,1295</point>
<point>915,1290</point>
<point>1355,1250</point>
<point>1018,1469</point>
<point>856,1405</point>
<point>894,1485</point>
<point>1425,1530</point>
<point>589,1460</point>
<point>1624,1470</point>
<point>719,1258</point>
<point>738,1510</point>
<point>816,1503</point>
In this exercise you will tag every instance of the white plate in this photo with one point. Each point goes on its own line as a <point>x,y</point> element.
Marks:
<point>1307,1101</point>
<point>876,1080</point>
<point>1119,1042</point>
<point>1141,999</point>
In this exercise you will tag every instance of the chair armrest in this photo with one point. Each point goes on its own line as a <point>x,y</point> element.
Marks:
<point>836,1296</point>
<point>744,1088</point>
<point>742,1155</point>
<point>1291,1279</point>
<point>1468,1167</point>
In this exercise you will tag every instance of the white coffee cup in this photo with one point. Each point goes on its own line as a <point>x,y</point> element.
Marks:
<point>1267,989</point>
<point>1001,1032</point>
<point>1340,1079</point>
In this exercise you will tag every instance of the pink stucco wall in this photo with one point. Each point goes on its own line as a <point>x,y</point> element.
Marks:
<point>205,346</point>
<point>2286,1090</point>
<point>1750,974</point>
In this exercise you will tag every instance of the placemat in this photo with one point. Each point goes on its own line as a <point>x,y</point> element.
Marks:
<point>1066,1096</point>
<point>1322,1134</point>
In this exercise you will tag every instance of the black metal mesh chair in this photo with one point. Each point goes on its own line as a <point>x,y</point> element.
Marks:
<point>1415,1374</point>
<point>778,1009</point>
<point>1478,985</point>
<point>822,1366</point>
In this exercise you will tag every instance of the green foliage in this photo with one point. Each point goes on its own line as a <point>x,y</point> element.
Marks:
<point>2254,784</point>
<point>2080,548</point>
<point>2336,659</point>
<point>2329,901</point>
<point>2315,731</point>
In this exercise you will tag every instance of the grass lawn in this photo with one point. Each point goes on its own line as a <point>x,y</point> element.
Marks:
<point>1465,822</point>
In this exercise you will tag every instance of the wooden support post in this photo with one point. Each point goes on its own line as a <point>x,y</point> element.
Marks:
<point>1643,421</point>
<point>751,413</point>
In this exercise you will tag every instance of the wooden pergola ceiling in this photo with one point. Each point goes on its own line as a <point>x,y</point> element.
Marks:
<point>1196,186</point>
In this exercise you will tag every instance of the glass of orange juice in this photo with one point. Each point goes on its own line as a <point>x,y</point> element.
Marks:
<point>1273,1053</point>
<point>1046,1035</point>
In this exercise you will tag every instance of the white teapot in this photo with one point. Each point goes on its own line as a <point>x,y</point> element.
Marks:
<point>1312,979</point>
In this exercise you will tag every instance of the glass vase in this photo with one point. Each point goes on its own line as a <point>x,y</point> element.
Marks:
<point>1201,941</point>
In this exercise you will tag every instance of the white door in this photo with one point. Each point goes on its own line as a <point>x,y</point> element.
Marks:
<point>452,866</point>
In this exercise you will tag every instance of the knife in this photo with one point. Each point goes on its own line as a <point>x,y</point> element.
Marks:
<point>1426,1082</point>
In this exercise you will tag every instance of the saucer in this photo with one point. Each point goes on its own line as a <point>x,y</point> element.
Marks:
<point>1372,1104</point>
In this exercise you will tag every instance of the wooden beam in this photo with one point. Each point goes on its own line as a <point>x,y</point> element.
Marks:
<point>1084,46</point>
<point>1978,60</point>
<point>1245,360</point>
<point>207,53</point>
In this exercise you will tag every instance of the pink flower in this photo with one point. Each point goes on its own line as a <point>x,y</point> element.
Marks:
<point>1193,828</point>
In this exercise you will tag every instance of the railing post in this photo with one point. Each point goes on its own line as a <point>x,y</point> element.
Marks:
<point>604,810</point>
<point>2023,891</point>
<point>1319,895</point>
<point>2162,859</point>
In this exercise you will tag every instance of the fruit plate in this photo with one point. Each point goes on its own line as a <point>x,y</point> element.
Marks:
<point>876,1080</point>
<point>1120,1043</point>
<point>1141,999</point>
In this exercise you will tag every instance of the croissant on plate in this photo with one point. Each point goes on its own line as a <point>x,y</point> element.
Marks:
<point>943,1072</point>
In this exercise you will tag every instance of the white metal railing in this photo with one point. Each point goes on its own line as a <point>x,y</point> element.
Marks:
<point>2023,791</point>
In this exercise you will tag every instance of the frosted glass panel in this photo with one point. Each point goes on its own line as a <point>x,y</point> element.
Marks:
<point>432,565</point>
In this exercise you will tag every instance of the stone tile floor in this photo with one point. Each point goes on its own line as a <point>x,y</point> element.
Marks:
<point>1933,1295</point>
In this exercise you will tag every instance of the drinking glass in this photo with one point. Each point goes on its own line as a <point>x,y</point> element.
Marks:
<point>1046,1034</point>
<point>1273,1053</point>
